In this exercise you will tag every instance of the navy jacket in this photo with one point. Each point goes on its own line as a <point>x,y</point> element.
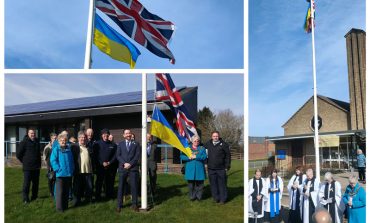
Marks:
<point>105,152</point>
<point>132,156</point>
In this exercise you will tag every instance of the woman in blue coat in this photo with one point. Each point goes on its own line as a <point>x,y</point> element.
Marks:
<point>355,200</point>
<point>194,169</point>
<point>62,162</point>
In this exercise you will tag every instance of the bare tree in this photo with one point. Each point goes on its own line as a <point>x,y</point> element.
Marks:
<point>230,127</point>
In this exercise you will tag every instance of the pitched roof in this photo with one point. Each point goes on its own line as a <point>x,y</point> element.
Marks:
<point>342,105</point>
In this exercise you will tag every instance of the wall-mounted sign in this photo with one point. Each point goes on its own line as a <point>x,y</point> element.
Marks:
<point>281,154</point>
<point>329,141</point>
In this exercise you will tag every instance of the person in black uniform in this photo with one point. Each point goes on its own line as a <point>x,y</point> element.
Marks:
<point>128,155</point>
<point>29,154</point>
<point>219,160</point>
<point>106,156</point>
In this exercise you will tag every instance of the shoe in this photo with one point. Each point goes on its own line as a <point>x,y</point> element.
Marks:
<point>26,202</point>
<point>192,199</point>
<point>216,201</point>
<point>222,202</point>
<point>118,210</point>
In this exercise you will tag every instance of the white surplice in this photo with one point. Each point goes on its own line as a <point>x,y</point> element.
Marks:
<point>263,192</point>
<point>292,192</point>
<point>305,200</point>
<point>338,198</point>
<point>281,187</point>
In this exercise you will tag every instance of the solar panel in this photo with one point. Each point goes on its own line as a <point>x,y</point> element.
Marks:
<point>80,103</point>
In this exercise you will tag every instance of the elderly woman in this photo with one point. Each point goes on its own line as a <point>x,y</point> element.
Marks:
<point>63,164</point>
<point>274,186</point>
<point>361,165</point>
<point>194,169</point>
<point>355,200</point>
<point>330,196</point>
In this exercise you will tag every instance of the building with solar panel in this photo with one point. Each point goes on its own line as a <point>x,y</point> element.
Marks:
<point>115,112</point>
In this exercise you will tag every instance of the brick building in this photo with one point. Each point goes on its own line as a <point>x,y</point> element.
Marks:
<point>260,148</point>
<point>342,128</point>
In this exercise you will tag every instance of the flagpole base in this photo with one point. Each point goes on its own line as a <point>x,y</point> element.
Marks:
<point>144,210</point>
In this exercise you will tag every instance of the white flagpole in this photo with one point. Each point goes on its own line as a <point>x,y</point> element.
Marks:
<point>144,169</point>
<point>90,35</point>
<point>316,129</point>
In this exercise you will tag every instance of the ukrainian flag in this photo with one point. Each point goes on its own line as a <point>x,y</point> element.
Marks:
<point>110,42</point>
<point>161,129</point>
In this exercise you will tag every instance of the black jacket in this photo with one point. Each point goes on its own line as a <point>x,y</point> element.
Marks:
<point>218,155</point>
<point>29,153</point>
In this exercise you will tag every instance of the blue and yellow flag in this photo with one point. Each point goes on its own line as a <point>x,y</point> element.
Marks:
<point>161,129</point>
<point>110,42</point>
<point>308,22</point>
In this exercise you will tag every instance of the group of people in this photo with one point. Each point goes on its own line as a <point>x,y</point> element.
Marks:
<point>73,165</point>
<point>309,200</point>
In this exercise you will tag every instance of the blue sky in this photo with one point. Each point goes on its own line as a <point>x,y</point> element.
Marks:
<point>280,53</point>
<point>52,34</point>
<point>214,90</point>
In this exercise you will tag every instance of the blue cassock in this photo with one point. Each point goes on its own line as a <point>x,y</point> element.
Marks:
<point>357,213</point>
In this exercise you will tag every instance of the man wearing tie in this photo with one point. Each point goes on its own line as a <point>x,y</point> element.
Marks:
<point>128,155</point>
<point>152,164</point>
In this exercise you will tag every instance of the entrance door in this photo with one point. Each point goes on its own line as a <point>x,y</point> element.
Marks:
<point>297,152</point>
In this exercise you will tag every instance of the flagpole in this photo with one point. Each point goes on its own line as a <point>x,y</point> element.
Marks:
<point>90,35</point>
<point>144,169</point>
<point>316,129</point>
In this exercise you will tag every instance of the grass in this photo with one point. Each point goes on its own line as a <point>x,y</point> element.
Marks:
<point>171,203</point>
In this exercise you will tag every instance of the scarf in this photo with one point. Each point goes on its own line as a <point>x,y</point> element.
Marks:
<point>257,205</point>
<point>274,203</point>
<point>298,193</point>
<point>330,207</point>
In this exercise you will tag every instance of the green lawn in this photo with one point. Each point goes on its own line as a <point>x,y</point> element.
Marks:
<point>171,203</point>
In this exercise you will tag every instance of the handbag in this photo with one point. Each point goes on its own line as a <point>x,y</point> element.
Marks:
<point>50,175</point>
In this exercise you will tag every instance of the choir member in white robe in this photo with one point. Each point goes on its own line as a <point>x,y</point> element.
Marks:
<point>330,196</point>
<point>309,196</point>
<point>257,196</point>
<point>275,187</point>
<point>294,189</point>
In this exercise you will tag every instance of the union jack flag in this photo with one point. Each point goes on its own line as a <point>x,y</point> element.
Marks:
<point>145,28</point>
<point>166,90</point>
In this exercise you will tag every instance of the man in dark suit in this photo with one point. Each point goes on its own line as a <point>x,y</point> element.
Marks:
<point>128,155</point>
<point>152,164</point>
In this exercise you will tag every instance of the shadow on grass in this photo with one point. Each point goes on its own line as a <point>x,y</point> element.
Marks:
<point>234,172</point>
<point>165,193</point>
